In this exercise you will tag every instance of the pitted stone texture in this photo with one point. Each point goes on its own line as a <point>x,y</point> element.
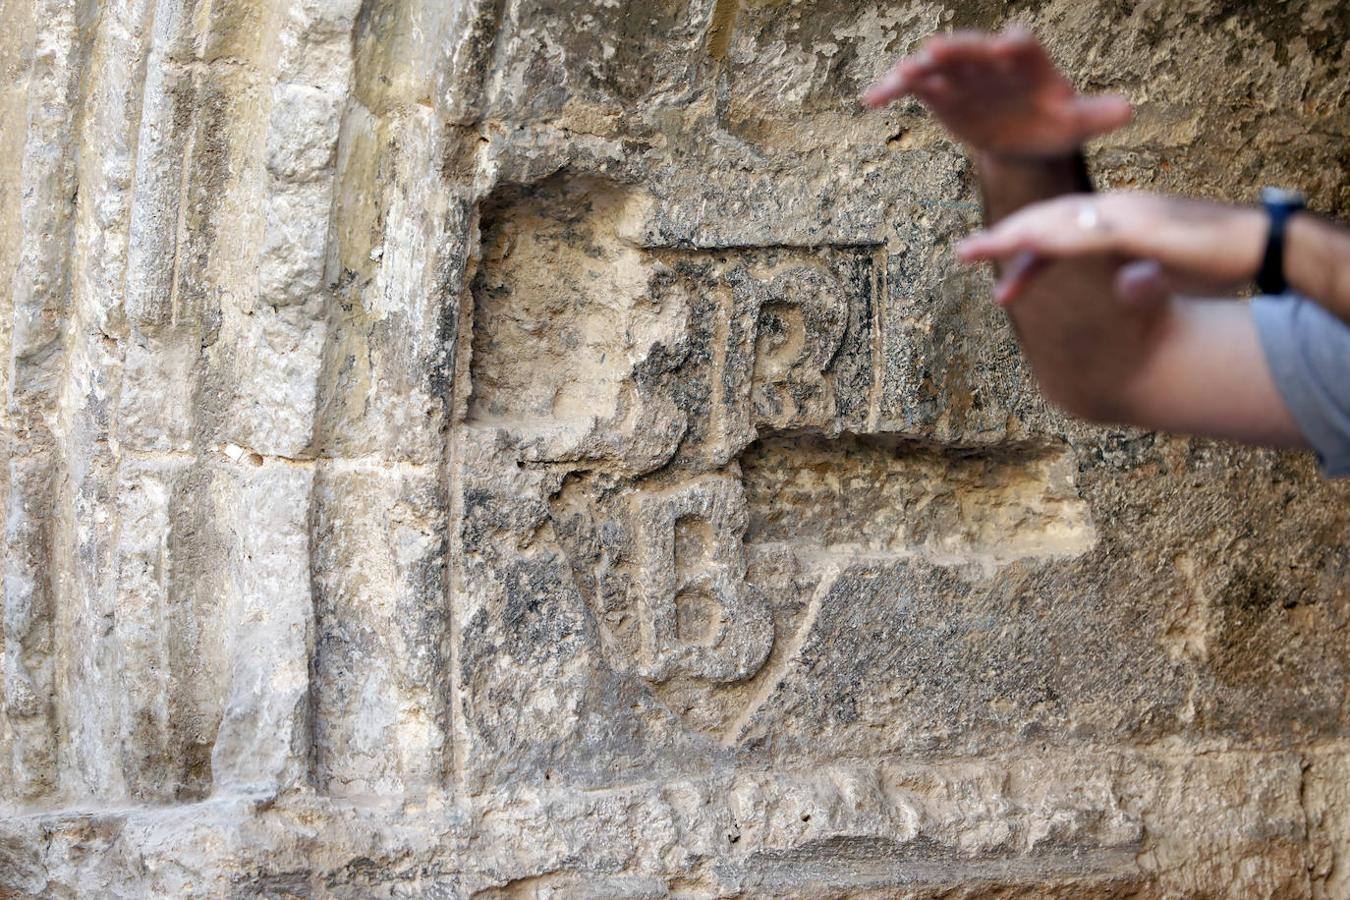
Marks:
<point>501,448</point>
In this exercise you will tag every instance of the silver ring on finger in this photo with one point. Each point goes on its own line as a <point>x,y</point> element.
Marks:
<point>1089,219</point>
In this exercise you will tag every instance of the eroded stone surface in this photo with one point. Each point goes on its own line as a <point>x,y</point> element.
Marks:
<point>501,448</point>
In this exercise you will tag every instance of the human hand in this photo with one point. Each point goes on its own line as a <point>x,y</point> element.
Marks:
<point>1000,94</point>
<point>1191,242</point>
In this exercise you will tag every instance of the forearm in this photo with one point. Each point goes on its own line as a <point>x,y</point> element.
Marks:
<point>1083,346</point>
<point>1153,361</point>
<point>1206,374</point>
<point>1184,365</point>
<point>1187,366</point>
<point>1080,346</point>
<point>1007,184</point>
<point>1317,262</point>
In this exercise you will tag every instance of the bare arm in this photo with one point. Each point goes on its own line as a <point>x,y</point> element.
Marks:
<point>1317,262</point>
<point>1195,240</point>
<point>1071,345</point>
<point>1178,365</point>
<point>1205,373</point>
<point>1190,366</point>
<point>1007,184</point>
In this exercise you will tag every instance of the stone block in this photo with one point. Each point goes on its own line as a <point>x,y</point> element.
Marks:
<point>499,449</point>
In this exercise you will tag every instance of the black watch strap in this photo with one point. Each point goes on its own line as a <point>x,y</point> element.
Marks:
<point>1081,173</point>
<point>1280,206</point>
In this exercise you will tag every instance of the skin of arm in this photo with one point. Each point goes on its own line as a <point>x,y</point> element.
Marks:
<point>1317,262</point>
<point>1191,239</point>
<point>1172,364</point>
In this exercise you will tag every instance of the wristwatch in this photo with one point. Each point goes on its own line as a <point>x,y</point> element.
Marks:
<point>1280,205</point>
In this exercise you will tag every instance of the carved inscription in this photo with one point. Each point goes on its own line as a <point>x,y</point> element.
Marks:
<point>812,351</point>
<point>791,341</point>
<point>698,616</point>
<point>636,376</point>
<point>801,327</point>
<point>681,601</point>
<point>639,355</point>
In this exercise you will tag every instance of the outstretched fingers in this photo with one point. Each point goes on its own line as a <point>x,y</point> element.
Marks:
<point>1000,242</point>
<point>1067,226</point>
<point>962,56</point>
<point>1137,281</point>
<point>1102,114</point>
<point>1140,285</point>
<point>1025,242</point>
<point>897,83</point>
<point>891,86</point>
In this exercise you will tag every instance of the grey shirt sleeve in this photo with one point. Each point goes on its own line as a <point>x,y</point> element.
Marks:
<point>1308,351</point>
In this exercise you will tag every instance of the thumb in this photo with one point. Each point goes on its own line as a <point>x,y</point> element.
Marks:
<point>1142,284</point>
<point>1103,114</point>
<point>1018,274</point>
<point>893,85</point>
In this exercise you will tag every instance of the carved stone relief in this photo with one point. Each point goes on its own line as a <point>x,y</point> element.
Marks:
<point>500,449</point>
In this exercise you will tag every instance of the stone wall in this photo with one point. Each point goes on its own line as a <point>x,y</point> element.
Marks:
<point>513,448</point>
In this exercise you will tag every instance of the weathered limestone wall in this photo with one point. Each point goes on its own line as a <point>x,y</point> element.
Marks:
<point>512,448</point>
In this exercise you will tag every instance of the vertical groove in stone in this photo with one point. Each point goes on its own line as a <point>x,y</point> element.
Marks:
<point>160,724</point>
<point>16,46</point>
<point>475,27</point>
<point>379,671</point>
<point>164,145</point>
<point>198,140</point>
<point>228,197</point>
<point>264,738</point>
<point>142,620</point>
<point>457,335</point>
<point>40,307</point>
<point>90,668</point>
